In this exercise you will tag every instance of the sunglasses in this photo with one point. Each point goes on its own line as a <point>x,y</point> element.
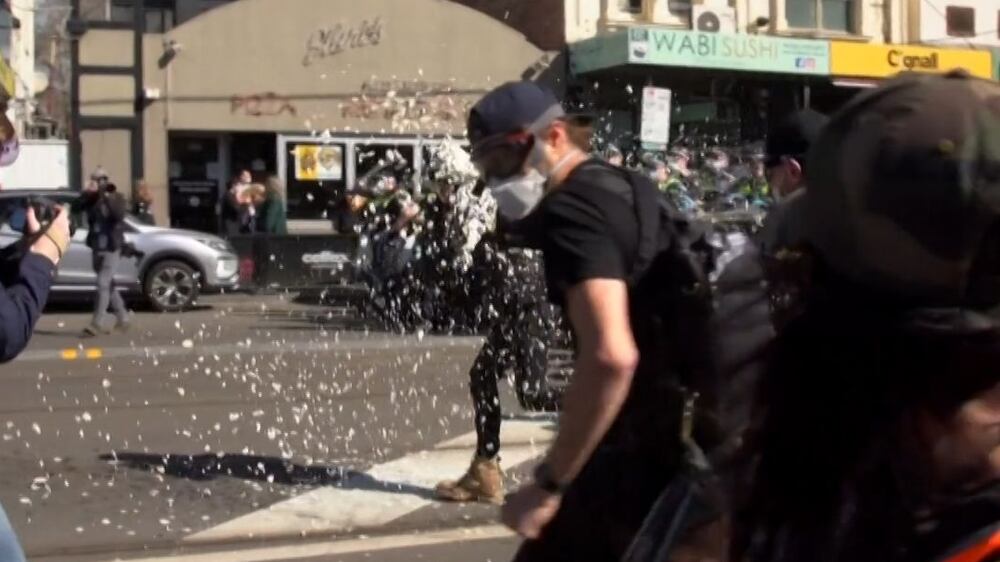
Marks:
<point>500,140</point>
<point>502,156</point>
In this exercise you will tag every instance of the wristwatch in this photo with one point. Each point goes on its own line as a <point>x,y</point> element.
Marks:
<point>547,482</point>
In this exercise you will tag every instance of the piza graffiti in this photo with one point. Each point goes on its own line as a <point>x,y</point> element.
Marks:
<point>267,104</point>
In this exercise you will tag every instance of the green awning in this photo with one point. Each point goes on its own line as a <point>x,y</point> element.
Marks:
<point>655,46</point>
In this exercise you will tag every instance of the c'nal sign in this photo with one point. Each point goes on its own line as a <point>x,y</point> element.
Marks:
<point>333,40</point>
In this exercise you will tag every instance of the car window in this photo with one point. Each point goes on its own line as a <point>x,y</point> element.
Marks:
<point>12,213</point>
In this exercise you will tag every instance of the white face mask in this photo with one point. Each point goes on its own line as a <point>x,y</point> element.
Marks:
<point>518,195</point>
<point>537,159</point>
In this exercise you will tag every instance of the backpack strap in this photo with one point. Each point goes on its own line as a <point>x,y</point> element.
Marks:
<point>653,214</point>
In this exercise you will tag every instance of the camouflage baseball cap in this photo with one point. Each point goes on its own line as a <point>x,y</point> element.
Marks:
<point>904,190</point>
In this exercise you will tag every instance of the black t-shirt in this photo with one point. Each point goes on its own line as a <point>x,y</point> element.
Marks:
<point>588,229</point>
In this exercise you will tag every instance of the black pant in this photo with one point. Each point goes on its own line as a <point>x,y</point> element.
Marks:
<point>520,343</point>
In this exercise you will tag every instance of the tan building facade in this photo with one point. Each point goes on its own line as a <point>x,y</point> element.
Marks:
<point>308,90</point>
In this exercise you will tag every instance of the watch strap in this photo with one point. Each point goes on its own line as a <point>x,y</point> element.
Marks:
<point>545,480</point>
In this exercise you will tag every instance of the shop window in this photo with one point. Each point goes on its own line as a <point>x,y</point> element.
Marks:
<point>630,6</point>
<point>961,21</point>
<point>826,15</point>
<point>317,177</point>
<point>375,162</point>
<point>196,182</point>
<point>679,8</point>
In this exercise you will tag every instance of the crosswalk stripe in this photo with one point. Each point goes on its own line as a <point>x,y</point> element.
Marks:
<point>332,548</point>
<point>391,490</point>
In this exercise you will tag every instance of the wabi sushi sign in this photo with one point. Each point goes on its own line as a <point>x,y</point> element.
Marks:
<point>758,53</point>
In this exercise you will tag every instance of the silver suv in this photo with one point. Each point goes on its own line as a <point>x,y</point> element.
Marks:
<point>177,264</point>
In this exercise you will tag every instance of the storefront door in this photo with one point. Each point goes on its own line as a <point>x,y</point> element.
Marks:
<point>196,182</point>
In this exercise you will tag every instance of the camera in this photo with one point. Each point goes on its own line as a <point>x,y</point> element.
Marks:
<point>45,209</point>
<point>11,255</point>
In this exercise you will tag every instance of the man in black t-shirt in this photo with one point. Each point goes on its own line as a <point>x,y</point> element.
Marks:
<point>617,446</point>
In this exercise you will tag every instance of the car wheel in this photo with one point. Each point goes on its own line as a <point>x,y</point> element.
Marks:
<point>171,286</point>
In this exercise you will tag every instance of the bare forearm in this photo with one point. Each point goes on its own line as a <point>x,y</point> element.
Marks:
<point>591,404</point>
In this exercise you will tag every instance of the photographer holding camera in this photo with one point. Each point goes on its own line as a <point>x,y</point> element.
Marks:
<point>28,272</point>
<point>105,209</point>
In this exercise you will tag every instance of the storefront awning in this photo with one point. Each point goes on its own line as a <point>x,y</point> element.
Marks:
<point>665,47</point>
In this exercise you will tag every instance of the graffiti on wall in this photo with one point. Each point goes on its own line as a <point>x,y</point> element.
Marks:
<point>267,104</point>
<point>329,41</point>
<point>409,104</point>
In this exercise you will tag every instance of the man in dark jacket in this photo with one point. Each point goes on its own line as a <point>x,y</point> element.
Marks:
<point>785,163</point>
<point>105,210</point>
<point>890,448</point>
<point>23,293</point>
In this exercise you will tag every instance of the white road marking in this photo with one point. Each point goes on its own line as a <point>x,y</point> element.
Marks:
<point>353,546</point>
<point>395,489</point>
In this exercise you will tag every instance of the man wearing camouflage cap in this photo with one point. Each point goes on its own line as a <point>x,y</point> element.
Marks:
<point>878,433</point>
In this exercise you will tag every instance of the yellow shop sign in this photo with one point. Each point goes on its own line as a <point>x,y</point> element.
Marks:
<point>880,61</point>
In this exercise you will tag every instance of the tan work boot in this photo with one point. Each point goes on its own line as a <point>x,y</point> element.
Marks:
<point>483,482</point>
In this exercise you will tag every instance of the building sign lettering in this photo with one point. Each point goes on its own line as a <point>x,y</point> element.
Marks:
<point>697,49</point>
<point>881,61</point>
<point>711,45</point>
<point>330,41</point>
<point>268,104</point>
<point>898,59</point>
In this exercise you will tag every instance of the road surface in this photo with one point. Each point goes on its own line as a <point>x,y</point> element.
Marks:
<point>250,429</point>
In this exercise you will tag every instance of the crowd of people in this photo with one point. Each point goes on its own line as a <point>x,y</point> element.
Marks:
<point>249,207</point>
<point>828,394</point>
<point>823,392</point>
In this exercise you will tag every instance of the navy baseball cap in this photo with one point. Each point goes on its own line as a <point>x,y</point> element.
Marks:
<point>515,108</point>
<point>793,136</point>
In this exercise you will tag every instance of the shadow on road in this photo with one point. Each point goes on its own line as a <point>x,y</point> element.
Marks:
<point>259,468</point>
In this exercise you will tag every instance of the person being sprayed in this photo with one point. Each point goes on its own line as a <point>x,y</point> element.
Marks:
<point>753,185</point>
<point>512,310</point>
<point>679,185</point>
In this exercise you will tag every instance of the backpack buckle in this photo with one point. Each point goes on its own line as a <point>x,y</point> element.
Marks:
<point>693,453</point>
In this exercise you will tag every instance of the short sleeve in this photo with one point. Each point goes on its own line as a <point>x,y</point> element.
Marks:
<point>577,243</point>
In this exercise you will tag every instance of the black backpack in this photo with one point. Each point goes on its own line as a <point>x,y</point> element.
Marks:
<point>712,321</point>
